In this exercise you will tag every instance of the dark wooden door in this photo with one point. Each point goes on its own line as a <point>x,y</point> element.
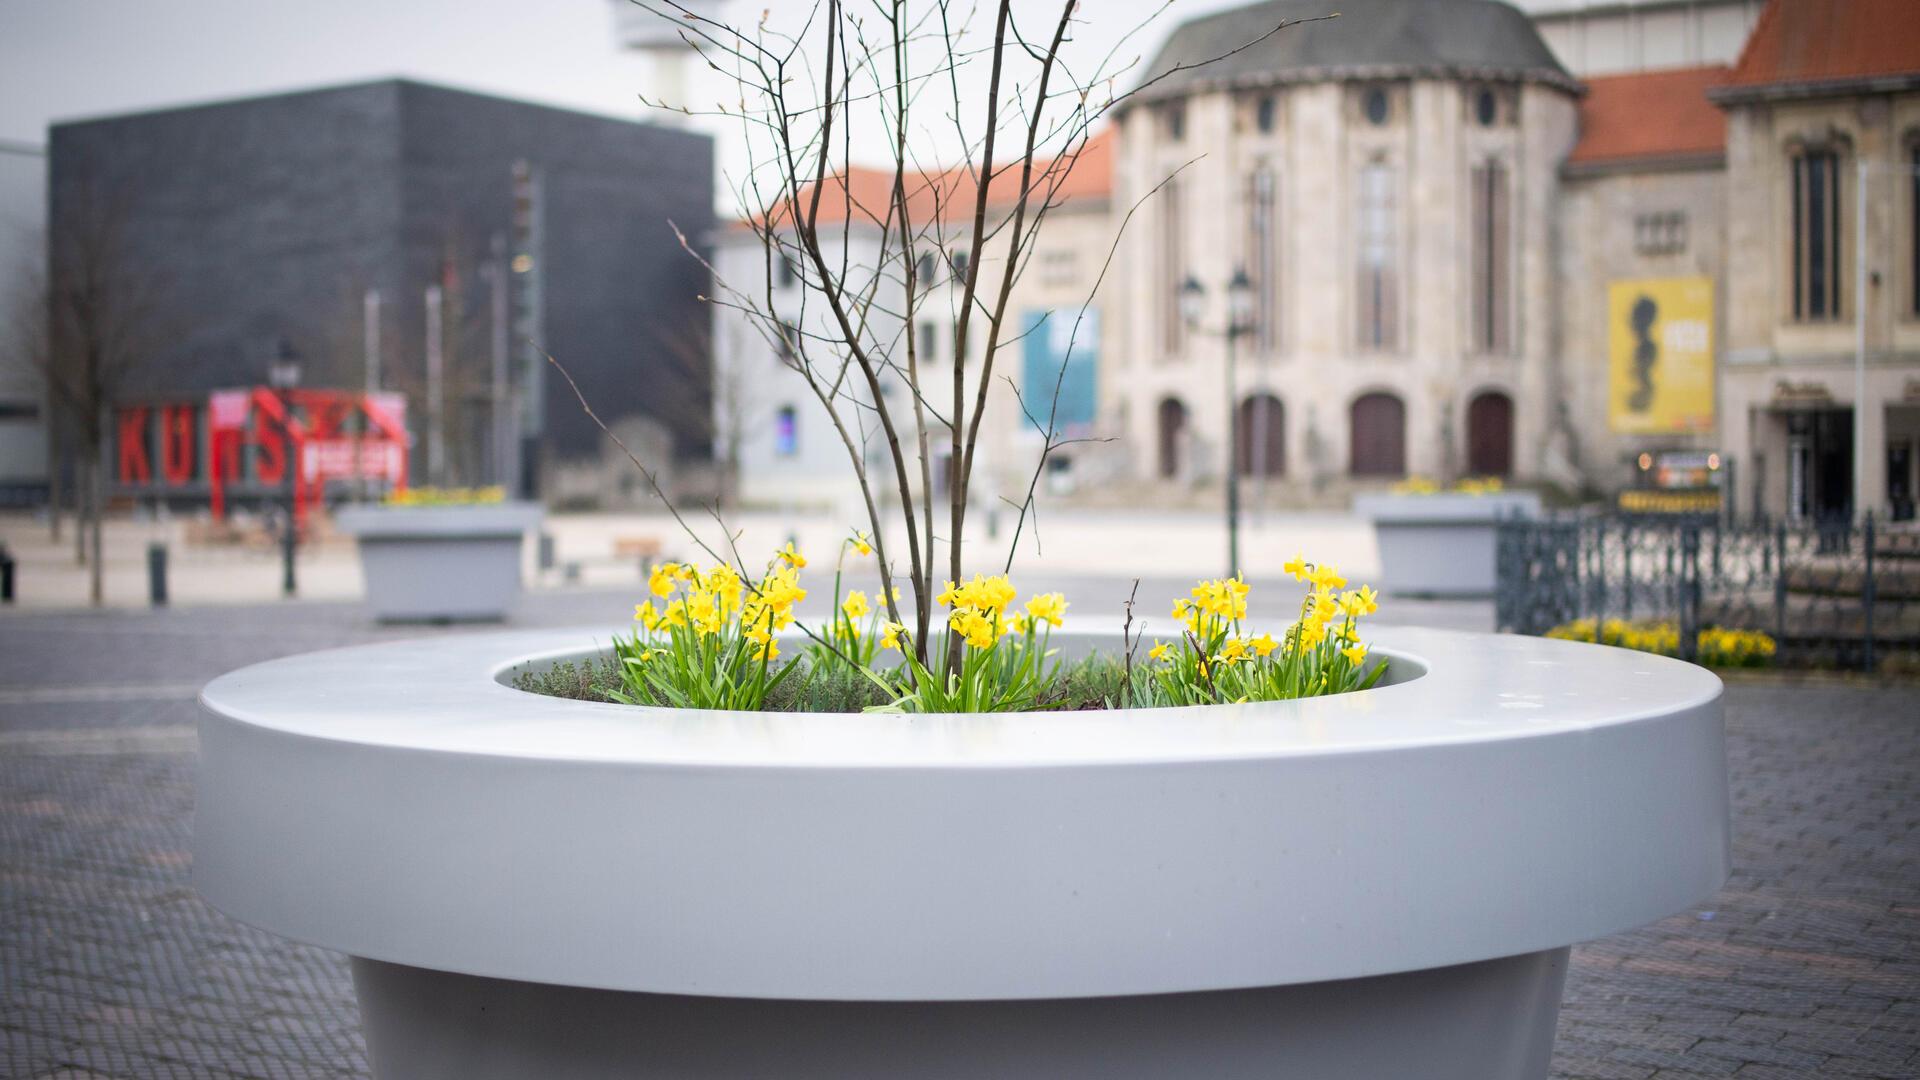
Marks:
<point>1490,435</point>
<point>1378,436</point>
<point>1173,436</point>
<point>1263,436</point>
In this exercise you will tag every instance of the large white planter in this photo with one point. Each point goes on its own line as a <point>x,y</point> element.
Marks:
<point>1441,544</point>
<point>1382,884</point>
<point>440,563</point>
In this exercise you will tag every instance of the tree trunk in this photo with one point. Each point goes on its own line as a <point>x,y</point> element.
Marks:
<point>96,485</point>
<point>54,492</point>
<point>80,504</point>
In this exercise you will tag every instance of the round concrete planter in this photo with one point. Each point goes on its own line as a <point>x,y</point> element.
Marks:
<point>1379,884</point>
<point>440,563</point>
<point>1441,544</point>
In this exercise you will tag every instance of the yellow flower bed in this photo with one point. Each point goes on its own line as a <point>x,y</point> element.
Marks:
<point>1471,485</point>
<point>707,638</point>
<point>1715,647</point>
<point>432,496</point>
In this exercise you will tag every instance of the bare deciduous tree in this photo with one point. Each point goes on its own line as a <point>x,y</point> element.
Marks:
<point>102,327</point>
<point>899,68</point>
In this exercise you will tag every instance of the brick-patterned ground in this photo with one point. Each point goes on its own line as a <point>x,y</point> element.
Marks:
<point>1806,965</point>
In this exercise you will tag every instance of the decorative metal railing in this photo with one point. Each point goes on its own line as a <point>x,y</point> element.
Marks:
<point>1833,594</point>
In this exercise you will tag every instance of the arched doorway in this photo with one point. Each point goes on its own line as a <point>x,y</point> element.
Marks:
<point>1490,434</point>
<point>1377,435</point>
<point>1263,436</point>
<point>1173,436</point>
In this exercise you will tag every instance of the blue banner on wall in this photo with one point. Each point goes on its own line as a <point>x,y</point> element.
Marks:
<point>1055,339</point>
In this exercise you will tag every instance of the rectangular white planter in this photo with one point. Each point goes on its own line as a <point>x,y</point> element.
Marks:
<point>441,563</point>
<point>1442,544</point>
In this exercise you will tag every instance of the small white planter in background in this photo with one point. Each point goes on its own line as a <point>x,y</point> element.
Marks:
<point>1379,884</point>
<point>440,563</point>
<point>1441,544</point>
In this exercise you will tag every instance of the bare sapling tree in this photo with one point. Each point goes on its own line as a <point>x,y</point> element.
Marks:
<point>978,117</point>
<point>102,319</point>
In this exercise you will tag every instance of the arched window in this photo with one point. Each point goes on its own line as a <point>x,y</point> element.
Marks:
<point>1816,228</point>
<point>1263,436</point>
<point>1489,273</point>
<point>1377,434</point>
<point>1490,434</point>
<point>1173,437</point>
<point>1378,306</point>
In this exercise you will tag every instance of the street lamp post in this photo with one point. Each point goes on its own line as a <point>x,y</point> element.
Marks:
<point>283,375</point>
<point>1193,304</point>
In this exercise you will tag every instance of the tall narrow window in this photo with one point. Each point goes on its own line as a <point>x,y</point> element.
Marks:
<point>1491,288</point>
<point>926,272</point>
<point>1379,305</point>
<point>927,350</point>
<point>786,432</point>
<point>1913,222</point>
<point>1816,236</point>
<point>1173,265</point>
<point>789,344</point>
<point>1261,260</point>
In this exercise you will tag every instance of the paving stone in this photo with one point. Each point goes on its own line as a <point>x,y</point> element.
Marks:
<point>1806,965</point>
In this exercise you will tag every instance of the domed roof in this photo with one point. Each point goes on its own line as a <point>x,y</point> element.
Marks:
<point>1369,39</point>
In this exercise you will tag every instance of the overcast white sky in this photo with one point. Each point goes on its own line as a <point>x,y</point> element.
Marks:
<point>69,59</point>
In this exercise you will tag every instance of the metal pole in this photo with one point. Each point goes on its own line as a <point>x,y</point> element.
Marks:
<point>288,585</point>
<point>505,447</point>
<point>157,574</point>
<point>1867,599</point>
<point>370,356</point>
<point>436,359</point>
<point>1860,337</point>
<point>1233,453</point>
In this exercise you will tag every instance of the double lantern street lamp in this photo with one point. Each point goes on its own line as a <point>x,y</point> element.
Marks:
<point>1193,306</point>
<point>283,375</point>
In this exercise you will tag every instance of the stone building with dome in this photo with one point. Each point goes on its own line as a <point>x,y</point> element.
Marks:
<point>1461,258</point>
<point>1388,183</point>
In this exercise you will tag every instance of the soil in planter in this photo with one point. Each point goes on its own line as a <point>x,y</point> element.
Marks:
<point>1093,683</point>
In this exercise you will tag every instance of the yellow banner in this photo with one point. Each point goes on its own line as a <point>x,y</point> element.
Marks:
<point>1660,355</point>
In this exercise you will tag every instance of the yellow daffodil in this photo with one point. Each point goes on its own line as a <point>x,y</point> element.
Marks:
<point>861,542</point>
<point>1297,566</point>
<point>1354,654</point>
<point>855,605</point>
<point>660,581</point>
<point>891,634</point>
<point>1326,577</point>
<point>1361,601</point>
<point>1264,645</point>
<point>1050,607</point>
<point>792,557</point>
<point>1160,651</point>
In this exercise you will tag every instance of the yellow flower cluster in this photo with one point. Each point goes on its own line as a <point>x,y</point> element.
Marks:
<point>708,602</point>
<point>980,612</point>
<point>433,496</point>
<point>1471,485</point>
<point>1715,646</point>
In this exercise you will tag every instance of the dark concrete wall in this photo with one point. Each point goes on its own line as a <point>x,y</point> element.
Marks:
<point>255,220</point>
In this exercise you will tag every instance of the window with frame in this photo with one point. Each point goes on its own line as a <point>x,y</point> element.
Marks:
<point>1492,286</point>
<point>927,349</point>
<point>1378,307</point>
<point>926,270</point>
<point>1913,227</point>
<point>1663,233</point>
<point>786,431</point>
<point>1815,229</point>
<point>957,261</point>
<point>1173,121</point>
<point>1173,265</point>
<point>785,271</point>
<point>1265,112</point>
<point>1262,262</point>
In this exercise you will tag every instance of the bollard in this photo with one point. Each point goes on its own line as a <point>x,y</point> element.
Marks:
<point>6,575</point>
<point>546,551</point>
<point>157,574</point>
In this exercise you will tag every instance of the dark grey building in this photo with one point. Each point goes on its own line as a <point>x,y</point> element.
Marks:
<point>274,218</point>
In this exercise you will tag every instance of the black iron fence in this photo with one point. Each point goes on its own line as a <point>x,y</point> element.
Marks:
<point>1833,594</point>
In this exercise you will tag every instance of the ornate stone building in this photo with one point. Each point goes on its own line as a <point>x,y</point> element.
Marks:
<point>1388,181</point>
<point>1464,260</point>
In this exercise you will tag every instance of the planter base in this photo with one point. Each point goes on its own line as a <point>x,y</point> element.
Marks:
<point>1492,1020</point>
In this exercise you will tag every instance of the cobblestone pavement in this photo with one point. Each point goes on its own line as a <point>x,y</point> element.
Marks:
<point>1806,965</point>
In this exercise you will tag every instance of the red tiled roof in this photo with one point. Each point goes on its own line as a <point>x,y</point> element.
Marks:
<point>866,194</point>
<point>1650,115</point>
<point>1812,41</point>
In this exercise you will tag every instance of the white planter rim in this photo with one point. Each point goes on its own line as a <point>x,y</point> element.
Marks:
<point>398,802</point>
<point>407,522</point>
